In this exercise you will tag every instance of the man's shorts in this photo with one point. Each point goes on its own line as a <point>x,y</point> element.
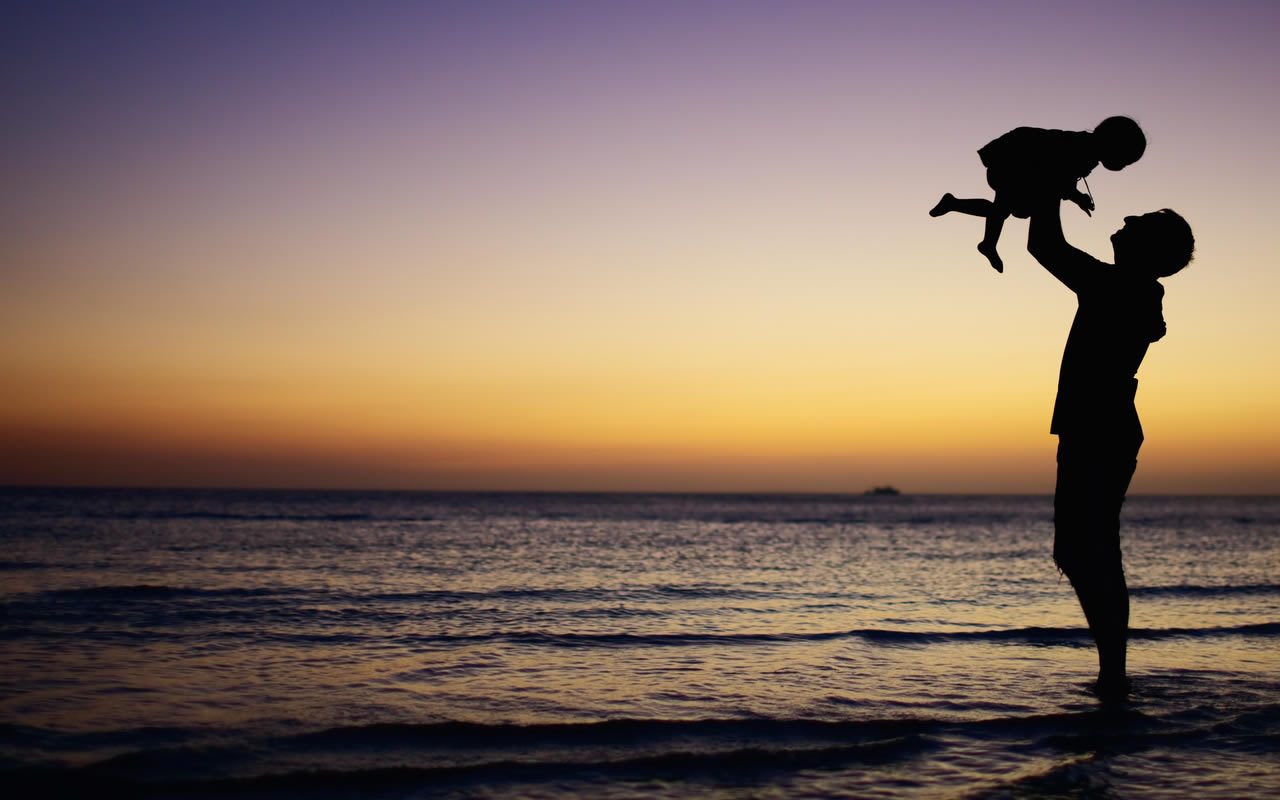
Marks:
<point>1093,476</point>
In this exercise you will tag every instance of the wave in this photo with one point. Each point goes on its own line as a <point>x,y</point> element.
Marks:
<point>1037,636</point>
<point>146,591</point>
<point>600,596</point>
<point>467,735</point>
<point>593,595</point>
<point>383,757</point>
<point>133,775</point>
<point>1027,635</point>
<point>1206,591</point>
<point>230,515</point>
<point>8,565</point>
<point>286,616</point>
<point>411,758</point>
<point>400,757</point>
<point>569,639</point>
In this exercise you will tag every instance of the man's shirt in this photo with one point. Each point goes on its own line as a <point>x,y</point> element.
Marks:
<point>1117,318</point>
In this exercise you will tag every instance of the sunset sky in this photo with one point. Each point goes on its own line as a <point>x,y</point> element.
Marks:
<point>609,245</point>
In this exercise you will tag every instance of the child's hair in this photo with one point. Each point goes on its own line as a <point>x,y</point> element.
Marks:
<point>1120,141</point>
<point>1174,246</point>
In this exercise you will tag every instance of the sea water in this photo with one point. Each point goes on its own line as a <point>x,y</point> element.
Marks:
<point>341,644</point>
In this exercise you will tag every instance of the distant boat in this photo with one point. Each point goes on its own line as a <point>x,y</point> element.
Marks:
<point>883,491</point>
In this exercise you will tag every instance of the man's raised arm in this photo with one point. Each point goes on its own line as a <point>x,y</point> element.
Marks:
<point>1047,245</point>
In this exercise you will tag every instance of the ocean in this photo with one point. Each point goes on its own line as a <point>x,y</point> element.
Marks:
<point>167,643</point>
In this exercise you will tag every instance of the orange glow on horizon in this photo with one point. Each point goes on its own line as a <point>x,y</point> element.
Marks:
<point>427,267</point>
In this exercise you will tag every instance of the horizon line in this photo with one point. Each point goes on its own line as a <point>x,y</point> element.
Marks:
<point>650,492</point>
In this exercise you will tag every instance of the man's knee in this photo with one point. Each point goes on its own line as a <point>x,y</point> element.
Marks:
<point>1083,567</point>
<point>1087,551</point>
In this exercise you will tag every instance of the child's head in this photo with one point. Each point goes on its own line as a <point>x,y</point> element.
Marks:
<point>1159,243</point>
<point>1120,142</point>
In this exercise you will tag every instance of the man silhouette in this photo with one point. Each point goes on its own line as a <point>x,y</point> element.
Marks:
<point>1094,415</point>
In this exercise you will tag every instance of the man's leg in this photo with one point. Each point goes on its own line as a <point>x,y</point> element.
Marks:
<point>1104,598</point>
<point>1092,480</point>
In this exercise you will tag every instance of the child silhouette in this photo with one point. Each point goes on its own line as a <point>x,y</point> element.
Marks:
<point>1027,166</point>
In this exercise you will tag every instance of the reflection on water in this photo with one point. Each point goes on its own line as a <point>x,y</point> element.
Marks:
<point>817,644</point>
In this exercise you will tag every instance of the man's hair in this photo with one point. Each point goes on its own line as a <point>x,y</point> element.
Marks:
<point>1172,247</point>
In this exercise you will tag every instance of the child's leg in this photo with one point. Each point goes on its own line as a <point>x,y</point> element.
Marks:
<point>995,224</point>
<point>976,207</point>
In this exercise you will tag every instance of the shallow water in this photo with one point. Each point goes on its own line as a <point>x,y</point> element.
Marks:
<point>472,645</point>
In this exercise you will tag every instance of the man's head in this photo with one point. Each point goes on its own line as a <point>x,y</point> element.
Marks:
<point>1120,142</point>
<point>1159,243</point>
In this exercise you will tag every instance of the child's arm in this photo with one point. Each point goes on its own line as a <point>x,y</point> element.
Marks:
<point>1074,267</point>
<point>1083,200</point>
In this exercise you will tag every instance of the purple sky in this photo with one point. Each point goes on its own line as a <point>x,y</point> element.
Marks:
<point>618,241</point>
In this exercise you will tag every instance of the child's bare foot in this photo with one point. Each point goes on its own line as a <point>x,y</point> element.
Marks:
<point>989,250</point>
<point>943,206</point>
